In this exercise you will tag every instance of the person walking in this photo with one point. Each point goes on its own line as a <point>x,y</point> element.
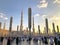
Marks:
<point>17,40</point>
<point>8,41</point>
<point>46,41</point>
<point>1,40</point>
<point>51,41</point>
<point>58,40</point>
<point>55,40</point>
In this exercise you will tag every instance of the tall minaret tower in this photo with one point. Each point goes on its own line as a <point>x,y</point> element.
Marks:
<point>4,25</point>
<point>57,29</point>
<point>39,29</point>
<point>53,28</point>
<point>10,27</point>
<point>17,28</point>
<point>44,30</point>
<point>33,26</point>
<point>0,25</point>
<point>21,24</point>
<point>29,20</point>
<point>46,23</point>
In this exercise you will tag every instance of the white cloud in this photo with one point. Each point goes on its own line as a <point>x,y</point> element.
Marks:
<point>44,16</point>
<point>42,4</point>
<point>3,16</point>
<point>57,2</point>
<point>51,17</point>
<point>55,18</point>
<point>43,1</point>
<point>36,15</point>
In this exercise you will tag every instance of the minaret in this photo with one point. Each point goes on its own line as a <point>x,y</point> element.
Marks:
<point>10,27</point>
<point>29,20</point>
<point>33,26</point>
<point>53,28</point>
<point>17,28</point>
<point>27,30</point>
<point>46,25</point>
<point>21,25</point>
<point>4,26</point>
<point>0,25</point>
<point>44,30</point>
<point>57,29</point>
<point>39,29</point>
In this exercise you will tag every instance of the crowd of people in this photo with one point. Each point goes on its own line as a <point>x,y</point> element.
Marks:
<point>53,40</point>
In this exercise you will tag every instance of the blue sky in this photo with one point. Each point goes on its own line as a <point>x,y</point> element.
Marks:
<point>40,9</point>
